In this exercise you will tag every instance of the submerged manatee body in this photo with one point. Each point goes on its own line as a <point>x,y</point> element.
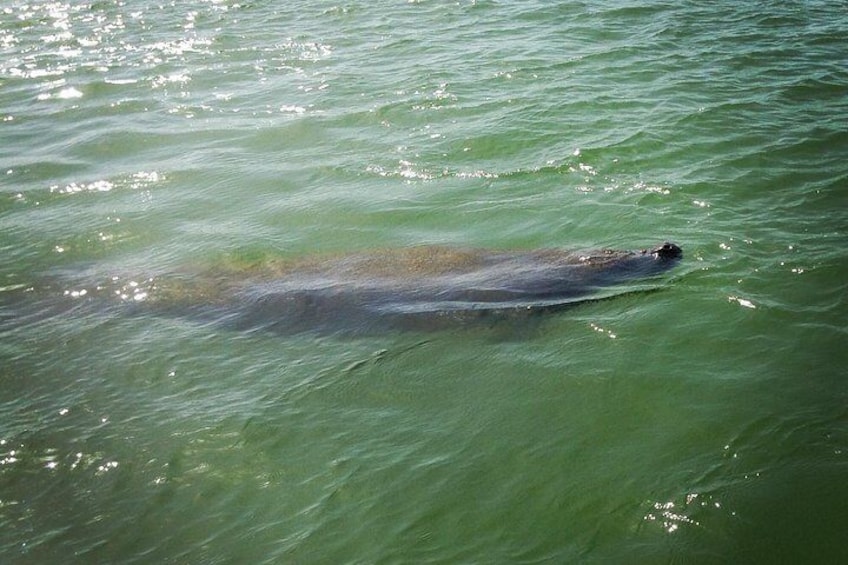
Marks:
<point>419,288</point>
<point>414,288</point>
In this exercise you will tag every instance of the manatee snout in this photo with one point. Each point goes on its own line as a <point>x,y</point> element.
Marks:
<point>667,250</point>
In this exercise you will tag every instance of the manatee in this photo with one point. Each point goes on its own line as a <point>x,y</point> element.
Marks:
<point>422,288</point>
<point>410,288</point>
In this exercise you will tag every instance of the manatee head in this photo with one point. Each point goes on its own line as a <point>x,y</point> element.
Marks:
<point>617,266</point>
<point>666,251</point>
<point>655,260</point>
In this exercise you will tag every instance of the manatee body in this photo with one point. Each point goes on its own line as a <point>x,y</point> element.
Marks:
<point>422,287</point>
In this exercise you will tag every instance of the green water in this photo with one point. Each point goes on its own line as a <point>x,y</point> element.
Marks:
<point>703,423</point>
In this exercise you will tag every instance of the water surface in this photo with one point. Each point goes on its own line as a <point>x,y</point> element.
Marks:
<point>704,422</point>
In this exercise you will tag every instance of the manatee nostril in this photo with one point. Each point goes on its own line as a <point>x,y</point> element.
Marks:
<point>668,250</point>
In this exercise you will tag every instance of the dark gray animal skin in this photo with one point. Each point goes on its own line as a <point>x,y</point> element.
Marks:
<point>421,288</point>
<point>430,287</point>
